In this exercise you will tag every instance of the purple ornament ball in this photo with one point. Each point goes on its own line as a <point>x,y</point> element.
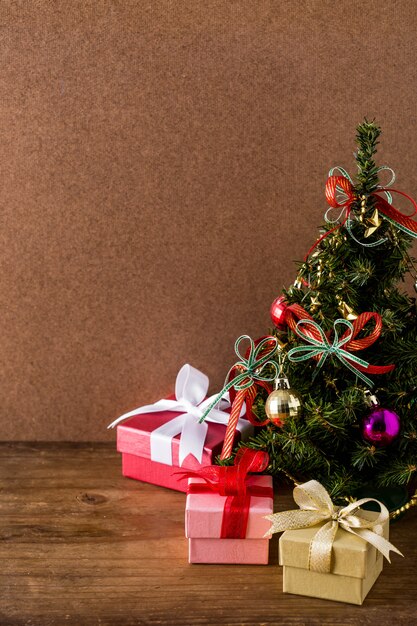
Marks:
<point>380,427</point>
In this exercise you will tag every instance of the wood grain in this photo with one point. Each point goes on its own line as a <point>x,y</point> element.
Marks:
<point>81,545</point>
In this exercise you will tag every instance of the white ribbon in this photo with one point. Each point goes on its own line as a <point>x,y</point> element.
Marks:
<point>191,388</point>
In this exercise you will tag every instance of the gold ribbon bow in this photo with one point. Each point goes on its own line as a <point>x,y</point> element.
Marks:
<point>316,506</point>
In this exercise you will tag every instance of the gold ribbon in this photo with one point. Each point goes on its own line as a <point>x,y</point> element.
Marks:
<point>316,506</point>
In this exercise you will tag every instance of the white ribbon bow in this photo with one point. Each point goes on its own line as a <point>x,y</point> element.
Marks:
<point>191,388</point>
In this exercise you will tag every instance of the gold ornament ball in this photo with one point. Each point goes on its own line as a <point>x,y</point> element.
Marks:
<point>281,404</point>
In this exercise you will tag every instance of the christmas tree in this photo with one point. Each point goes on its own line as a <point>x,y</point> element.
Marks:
<point>347,344</point>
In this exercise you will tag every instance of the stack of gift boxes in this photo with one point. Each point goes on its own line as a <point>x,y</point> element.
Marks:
<point>229,509</point>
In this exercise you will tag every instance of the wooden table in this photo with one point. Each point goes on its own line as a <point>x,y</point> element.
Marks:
<point>82,545</point>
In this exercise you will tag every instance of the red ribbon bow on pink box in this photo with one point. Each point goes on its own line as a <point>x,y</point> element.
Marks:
<point>232,482</point>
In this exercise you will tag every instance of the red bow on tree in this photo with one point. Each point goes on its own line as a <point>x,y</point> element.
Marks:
<point>403,222</point>
<point>295,312</point>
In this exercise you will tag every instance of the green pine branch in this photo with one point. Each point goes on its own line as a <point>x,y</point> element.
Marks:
<point>343,277</point>
<point>367,135</point>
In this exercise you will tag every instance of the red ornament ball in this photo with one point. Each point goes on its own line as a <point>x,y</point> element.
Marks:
<point>278,308</point>
<point>380,427</point>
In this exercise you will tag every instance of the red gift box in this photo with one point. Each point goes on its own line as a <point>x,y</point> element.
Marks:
<point>134,441</point>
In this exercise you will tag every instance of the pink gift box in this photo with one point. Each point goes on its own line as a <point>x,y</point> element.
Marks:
<point>203,523</point>
<point>133,441</point>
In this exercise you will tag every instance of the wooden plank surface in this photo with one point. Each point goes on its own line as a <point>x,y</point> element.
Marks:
<point>80,544</point>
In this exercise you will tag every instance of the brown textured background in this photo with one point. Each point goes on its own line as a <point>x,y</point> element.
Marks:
<point>162,164</point>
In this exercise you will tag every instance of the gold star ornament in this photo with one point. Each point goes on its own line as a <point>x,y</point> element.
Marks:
<point>372,223</point>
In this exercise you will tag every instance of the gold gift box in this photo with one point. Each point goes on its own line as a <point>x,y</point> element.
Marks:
<point>355,565</point>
